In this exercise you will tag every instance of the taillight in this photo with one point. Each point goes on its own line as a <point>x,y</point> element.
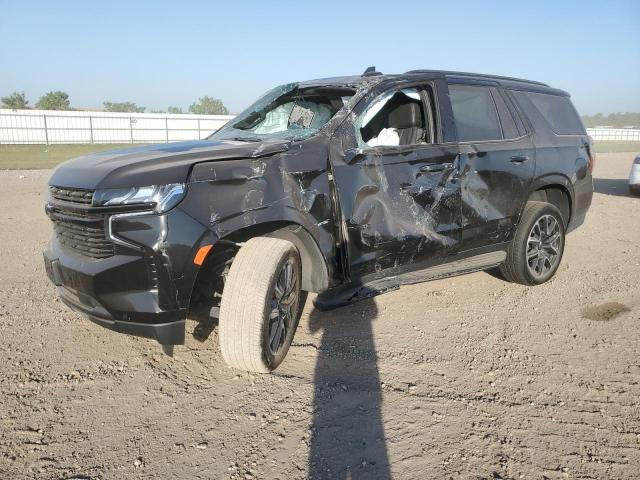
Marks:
<point>592,154</point>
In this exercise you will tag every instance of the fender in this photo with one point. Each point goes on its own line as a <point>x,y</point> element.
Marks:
<point>315,275</point>
<point>552,180</point>
<point>315,271</point>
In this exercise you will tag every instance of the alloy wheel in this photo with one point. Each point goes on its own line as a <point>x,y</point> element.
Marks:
<point>284,304</point>
<point>543,246</point>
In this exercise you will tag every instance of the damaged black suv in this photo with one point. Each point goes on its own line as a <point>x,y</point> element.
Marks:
<point>347,187</point>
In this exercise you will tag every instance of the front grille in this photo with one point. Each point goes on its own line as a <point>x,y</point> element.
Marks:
<point>76,227</point>
<point>86,240</point>
<point>73,195</point>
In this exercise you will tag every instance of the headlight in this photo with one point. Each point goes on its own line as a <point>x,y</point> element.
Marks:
<point>160,197</point>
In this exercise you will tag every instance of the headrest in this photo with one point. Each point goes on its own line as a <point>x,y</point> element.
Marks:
<point>407,115</point>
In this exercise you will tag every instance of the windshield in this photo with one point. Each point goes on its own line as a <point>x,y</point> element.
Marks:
<point>289,112</point>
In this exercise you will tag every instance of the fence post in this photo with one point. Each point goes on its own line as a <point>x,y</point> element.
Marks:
<point>166,128</point>
<point>131,129</point>
<point>90,129</point>
<point>46,131</point>
<point>199,136</point>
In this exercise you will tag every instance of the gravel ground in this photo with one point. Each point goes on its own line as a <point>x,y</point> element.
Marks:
<point>468,377</point>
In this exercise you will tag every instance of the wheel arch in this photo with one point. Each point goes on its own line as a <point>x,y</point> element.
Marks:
<point>555,189</point>
<point>315,275</point>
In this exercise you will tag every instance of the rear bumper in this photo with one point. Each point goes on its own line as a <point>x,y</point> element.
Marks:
<point>582,198</point>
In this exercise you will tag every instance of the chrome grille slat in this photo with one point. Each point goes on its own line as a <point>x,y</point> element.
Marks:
<point>72,195</point>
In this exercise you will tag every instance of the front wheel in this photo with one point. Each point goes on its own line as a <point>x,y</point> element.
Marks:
<point>536,251</point>
<point>261,304</point>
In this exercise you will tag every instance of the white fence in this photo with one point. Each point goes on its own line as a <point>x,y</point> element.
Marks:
<point>615,134</point>
<point>51,126</point>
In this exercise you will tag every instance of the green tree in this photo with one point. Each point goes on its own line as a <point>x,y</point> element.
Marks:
<point>54,101</point>
<point>15,101</point>
<point>616,120</point>
<point>128,107</point>
<point>208,106</point>
<point>174,109</point>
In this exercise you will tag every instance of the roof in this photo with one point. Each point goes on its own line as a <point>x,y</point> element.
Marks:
<point>507,82</point>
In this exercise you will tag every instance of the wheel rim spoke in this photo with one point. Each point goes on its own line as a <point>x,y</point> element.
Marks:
<point>283,306</point>
<point>280,286</point>
<point>543,245</point>
<point>276,335</point>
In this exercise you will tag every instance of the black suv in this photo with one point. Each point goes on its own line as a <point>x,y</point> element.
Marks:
<point>348,187</point>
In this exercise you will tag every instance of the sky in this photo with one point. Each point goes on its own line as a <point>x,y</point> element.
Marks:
<point>158,53</point>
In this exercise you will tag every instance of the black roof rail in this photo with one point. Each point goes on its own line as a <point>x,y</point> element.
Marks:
<point>478,75</point>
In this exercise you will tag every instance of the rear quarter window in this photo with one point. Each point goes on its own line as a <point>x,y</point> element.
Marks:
<point>558,111</point>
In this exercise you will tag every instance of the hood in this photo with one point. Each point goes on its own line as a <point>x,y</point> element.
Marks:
<point>154,164</point>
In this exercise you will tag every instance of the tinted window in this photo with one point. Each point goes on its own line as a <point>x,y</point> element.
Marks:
<point>559,112</point>
<point>475,113</point>
<point>509,129</point>
<point>516,112</point>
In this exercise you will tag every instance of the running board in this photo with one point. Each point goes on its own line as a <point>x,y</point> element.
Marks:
<point>341,296</point>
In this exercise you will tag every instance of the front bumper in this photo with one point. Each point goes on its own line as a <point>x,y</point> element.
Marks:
<point>145,288</point>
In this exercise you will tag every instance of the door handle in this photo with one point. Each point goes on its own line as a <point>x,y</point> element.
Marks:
<point>435,167</point>
<point>519,159</point>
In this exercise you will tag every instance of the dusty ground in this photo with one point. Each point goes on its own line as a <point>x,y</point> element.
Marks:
<point>468,377</point>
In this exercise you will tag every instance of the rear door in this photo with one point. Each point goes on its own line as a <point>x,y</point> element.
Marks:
<point>398,192</point>
<point>497,162</point>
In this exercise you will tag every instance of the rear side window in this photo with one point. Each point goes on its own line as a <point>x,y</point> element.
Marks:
<point>475,113</point>
<point>509,128</point>
<point>558,112</point>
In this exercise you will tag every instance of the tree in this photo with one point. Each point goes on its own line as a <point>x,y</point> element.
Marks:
<point>54,101</point>
<point>208,106</point>
<point>15,101</point>
<point>616,120</point>
<point>128,107</point>
<point>174,109</point>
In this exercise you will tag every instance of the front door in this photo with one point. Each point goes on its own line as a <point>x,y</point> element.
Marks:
<point>397,187</point>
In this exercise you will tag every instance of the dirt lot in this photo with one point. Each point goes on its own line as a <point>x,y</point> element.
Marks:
<point>468,377</point>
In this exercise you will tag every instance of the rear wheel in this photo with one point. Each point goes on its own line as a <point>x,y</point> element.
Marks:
<point>261,304</point>
<point>536,251</point>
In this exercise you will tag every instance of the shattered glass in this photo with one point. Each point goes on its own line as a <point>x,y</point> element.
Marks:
<point>288,112</point>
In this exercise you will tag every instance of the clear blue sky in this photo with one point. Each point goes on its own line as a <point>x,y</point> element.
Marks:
<point>159,53</point>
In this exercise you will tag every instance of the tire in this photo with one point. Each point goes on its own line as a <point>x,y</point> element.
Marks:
<point>250,301</point>
<point>530,257</point>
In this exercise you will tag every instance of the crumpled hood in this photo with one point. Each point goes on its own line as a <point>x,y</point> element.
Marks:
<point>154,164</point>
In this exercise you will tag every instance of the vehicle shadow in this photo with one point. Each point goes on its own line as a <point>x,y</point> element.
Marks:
<point>347,434</point>
<point>612,186</point>
<point>206,317</point>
